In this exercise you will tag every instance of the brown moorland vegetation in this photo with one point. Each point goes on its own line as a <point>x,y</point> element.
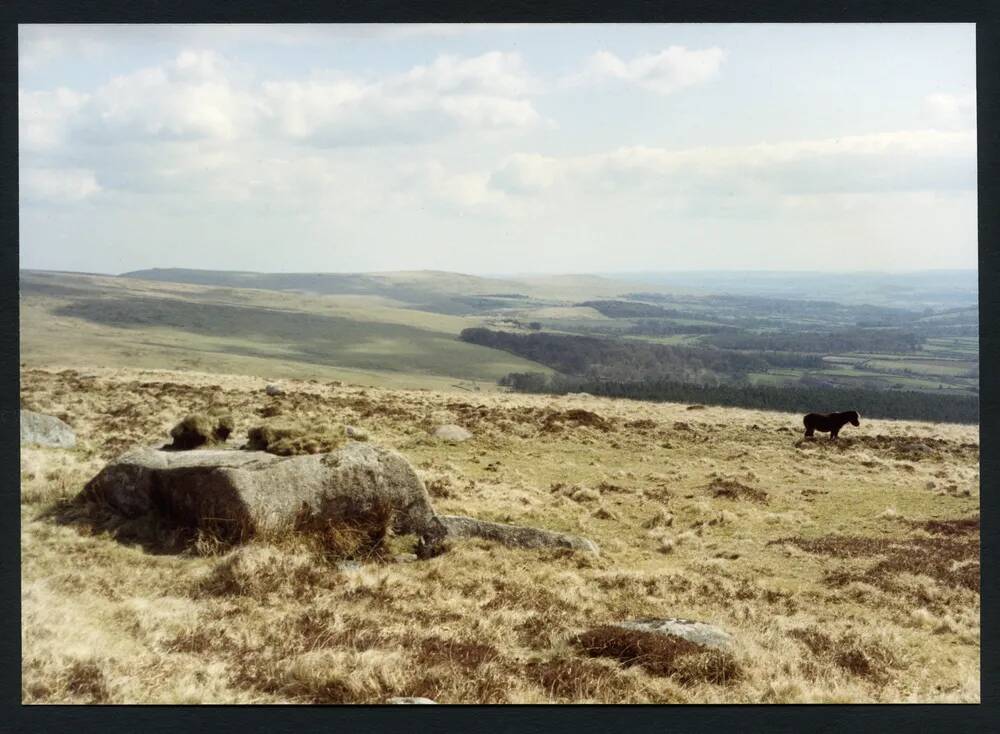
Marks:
<point>855,581</point>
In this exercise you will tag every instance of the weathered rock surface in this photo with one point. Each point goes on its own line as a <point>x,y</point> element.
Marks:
<point>45,430</point>
<point>237,493</point>
<point>273,389</point>
<point>404,700</point>
<point>700,633</point>
<point>452,433</point>
<point>516,536</point>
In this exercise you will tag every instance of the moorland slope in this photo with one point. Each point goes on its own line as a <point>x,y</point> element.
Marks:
<point>846,572</point>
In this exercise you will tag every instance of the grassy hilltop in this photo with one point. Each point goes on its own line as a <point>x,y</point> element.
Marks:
<point>846,572</point>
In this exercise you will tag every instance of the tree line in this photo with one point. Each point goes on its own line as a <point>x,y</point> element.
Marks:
<point>893,404</point>
<point>888,341</point>
<point>619,358</point>
<point>629,359</point>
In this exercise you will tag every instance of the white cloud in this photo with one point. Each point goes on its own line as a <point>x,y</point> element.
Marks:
<point>952,111</point>
<point>44,117</point>
<point>526,173</point>
<point>665,72</point>
<point>41,45</point>
<point>428,101</point>
<point>494,73</point>
<point>896,161</point>
<point>192,97</point>
<point>202,96</point>
<point>57,185</point>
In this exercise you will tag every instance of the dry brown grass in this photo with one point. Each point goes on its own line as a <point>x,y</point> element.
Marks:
<point>200,429</point>
<point>660,654</point>
<point>865,658</point>
<point>732,489</point>
<point>828,598</point>
<point>948,560</point>
<point>294,438</point>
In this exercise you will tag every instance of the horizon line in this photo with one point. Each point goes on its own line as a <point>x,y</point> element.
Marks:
<point>519,274</point>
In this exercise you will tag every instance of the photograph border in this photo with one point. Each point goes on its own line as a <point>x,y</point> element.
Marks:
<point>514,718</point>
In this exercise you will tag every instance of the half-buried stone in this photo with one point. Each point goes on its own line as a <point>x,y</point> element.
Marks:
<point>516,536</point>
<point>701,633</point>
<point>452,433</point>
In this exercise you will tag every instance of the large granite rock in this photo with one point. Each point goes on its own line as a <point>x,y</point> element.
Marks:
<point>701,633</point>
<point>516,536</point>
<point>45,430</point>
<point>235,494</point>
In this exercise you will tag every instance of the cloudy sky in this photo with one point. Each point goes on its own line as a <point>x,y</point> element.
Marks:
<point>498,149</point>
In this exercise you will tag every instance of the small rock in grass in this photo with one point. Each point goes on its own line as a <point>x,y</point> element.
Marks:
<point>452,433</point>
<point>357,434</point>
<point>700,633</point>
<point>46,430</point>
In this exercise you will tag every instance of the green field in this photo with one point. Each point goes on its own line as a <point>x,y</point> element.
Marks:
<point>100,321</point>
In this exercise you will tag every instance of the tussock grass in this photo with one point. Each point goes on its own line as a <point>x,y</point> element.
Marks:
<point>948,560</point>
<point>660,654</point>
<point>291,438</point>
<point>862,656</point>
<point>201,429</point>
<point>732,489</point>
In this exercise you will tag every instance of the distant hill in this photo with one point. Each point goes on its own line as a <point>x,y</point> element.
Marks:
<point>432,289</point>
<point>929,287</point>
<point>212,326</point>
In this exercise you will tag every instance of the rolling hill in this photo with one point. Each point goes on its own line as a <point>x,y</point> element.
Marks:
<point>368,338</point>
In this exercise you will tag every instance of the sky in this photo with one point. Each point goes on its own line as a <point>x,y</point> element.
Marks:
<point>497,149</point>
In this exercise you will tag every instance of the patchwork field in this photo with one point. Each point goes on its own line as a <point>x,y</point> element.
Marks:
<point>401,329</point>
<point>845,572</point>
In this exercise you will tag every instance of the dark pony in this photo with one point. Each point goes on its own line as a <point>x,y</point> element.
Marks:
<point>830,422</point>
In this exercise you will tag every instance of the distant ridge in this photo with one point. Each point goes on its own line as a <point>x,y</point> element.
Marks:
<point>431,289</point>
<point>411,286</point>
